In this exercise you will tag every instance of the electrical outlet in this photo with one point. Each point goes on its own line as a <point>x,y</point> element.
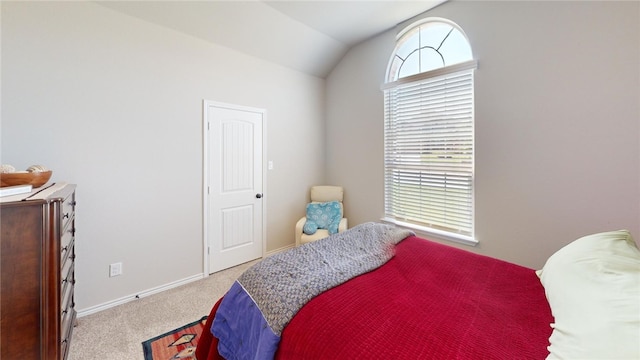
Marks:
<point>115,269</point>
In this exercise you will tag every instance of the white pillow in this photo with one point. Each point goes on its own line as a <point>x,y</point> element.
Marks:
<point>593,288</point>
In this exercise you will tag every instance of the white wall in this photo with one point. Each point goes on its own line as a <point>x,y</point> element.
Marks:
<point>557,122</point>
<point>114,104</point>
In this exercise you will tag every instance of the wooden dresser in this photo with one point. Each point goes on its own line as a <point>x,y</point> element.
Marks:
<point>37,280</point>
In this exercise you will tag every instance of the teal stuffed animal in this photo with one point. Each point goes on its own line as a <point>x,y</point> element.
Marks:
<point>322,216</point>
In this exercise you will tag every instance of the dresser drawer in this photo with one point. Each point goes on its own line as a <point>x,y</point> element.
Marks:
<point>66,304</point>
<point>66,245</point>
<point>64,347</point>
<point>68,208</point>
<point>66,276</point>
<point>67,222</point>
<point>66,327</point>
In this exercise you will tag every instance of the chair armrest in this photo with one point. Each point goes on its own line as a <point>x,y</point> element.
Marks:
<point>299,226</point>
<point>342,226</point>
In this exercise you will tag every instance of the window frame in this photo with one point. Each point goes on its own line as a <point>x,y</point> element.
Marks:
<point>420,78</point>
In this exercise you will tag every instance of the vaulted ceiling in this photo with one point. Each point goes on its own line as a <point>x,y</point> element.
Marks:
<point>309,36</point>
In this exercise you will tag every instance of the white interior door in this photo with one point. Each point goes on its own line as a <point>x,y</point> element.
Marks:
<point>234,185</point>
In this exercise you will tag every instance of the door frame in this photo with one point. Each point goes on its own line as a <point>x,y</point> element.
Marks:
<point>205,176</point>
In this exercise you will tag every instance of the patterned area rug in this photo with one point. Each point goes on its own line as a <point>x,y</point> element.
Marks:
<point>176,344</point>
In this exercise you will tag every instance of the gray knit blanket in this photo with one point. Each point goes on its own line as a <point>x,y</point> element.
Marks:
<point>281,284</point>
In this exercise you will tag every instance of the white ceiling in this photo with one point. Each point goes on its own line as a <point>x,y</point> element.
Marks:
<point>309,36</point>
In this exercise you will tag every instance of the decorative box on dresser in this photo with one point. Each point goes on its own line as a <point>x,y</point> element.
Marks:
<point>37,280</point>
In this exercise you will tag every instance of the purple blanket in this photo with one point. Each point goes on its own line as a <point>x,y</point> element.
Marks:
<point>263,300</point>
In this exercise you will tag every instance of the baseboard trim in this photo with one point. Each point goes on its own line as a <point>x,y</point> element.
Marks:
<point>145,293</point>
<point>279,250</point>
<point>158,289</point>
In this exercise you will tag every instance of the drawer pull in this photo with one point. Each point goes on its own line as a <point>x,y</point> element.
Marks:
<point>64,248</point>
<point>66,216</point>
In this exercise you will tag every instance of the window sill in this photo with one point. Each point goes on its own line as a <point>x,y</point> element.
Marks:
<point>434,234</point>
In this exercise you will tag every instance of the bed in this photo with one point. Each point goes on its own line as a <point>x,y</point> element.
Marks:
<point>424,300</point>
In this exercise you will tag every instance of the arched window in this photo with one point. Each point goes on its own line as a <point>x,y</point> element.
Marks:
<point>428,46</point>
<point>429,131</point>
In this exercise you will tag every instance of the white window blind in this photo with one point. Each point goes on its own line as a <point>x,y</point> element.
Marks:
<point>429,152</point>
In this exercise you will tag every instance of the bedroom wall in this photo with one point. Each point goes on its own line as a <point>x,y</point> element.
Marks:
<point>557,106</point>
<point>114,104</point>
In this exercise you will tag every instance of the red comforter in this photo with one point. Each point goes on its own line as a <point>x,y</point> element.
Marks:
<point>430,301</point>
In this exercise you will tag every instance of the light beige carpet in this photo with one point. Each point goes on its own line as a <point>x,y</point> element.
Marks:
<point>117,333</point>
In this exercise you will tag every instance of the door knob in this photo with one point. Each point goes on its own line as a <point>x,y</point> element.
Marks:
<point>258,196</point>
